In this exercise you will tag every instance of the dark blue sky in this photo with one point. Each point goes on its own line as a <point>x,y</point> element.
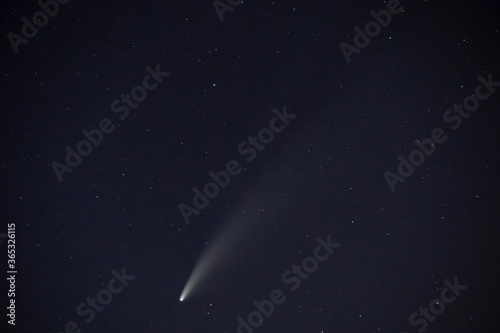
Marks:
<point>323,174</point>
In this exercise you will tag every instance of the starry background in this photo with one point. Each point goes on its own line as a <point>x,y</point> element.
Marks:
<point>322,175</point>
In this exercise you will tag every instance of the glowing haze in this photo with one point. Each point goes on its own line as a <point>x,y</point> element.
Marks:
<point>211,259</point>
<point>245,218</point>
<point>230,240</point>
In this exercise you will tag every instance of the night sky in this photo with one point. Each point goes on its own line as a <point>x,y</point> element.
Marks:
<point>289,165</point>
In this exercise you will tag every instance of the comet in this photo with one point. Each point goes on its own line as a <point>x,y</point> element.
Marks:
<point>216,254</point>
<point>244,223</point>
